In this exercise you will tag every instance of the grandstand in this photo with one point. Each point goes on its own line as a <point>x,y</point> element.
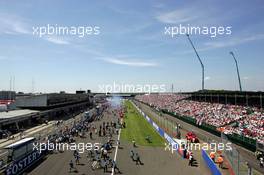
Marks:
<point>241,123</point>
<point>243,120</point>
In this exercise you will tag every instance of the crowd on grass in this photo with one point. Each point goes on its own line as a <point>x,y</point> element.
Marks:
<point>242,120</point>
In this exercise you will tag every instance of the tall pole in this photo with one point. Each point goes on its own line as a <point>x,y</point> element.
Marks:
<point>238,76</point>
<point>202,65</point>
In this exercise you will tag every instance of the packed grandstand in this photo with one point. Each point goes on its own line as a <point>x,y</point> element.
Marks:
<point>228,118</point>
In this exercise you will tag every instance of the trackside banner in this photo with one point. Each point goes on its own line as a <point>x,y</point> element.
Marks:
<point>19,166</point>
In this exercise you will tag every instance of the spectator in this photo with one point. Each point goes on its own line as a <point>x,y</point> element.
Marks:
<point>212,156</point>
<point>115,166</point>
<point>191,160</point>
<point>137,158</point>
<point>220,161</point>
<point>132,155</point>
<point>261,162</point>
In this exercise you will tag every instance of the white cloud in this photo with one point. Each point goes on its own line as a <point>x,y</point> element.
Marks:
<point>129,62</point>
<point>56,40</point>
<point>121,59</point>
<point>193,14</point>
<point>177,16</point>
<point>12,24</point>
<point>233,41</point>
<point>226,43</point>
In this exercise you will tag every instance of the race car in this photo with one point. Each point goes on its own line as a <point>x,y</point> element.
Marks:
<point>191,137</point>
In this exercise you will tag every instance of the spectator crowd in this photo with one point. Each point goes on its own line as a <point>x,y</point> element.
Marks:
<point>242,120</point>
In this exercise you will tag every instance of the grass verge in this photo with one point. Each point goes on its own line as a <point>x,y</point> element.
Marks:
<point>137,128</point>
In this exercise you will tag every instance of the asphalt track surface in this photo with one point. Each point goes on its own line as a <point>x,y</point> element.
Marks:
<point>58,163</point>
<point>156,161</point>
<point>248,156</point>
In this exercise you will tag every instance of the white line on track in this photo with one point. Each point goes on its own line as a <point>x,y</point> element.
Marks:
<point>118,138</point>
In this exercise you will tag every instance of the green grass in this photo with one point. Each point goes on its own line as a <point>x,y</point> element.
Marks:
<point>137,128</point>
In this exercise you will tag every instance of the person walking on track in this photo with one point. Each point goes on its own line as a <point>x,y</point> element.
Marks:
<point>115,166</point>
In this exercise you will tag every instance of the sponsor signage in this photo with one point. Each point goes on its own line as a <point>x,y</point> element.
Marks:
<point>19,166</point>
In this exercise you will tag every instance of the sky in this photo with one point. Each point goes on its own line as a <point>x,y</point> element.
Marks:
<point>132,46</point>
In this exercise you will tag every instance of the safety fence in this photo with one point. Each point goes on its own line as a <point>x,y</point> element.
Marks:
<point>236,161</point>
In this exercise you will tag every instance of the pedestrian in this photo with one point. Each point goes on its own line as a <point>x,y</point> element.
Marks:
<point>134,143</point>
<point>104,132</point>
<point>104,153</point>
<point>220,161</point>
<point>190,159</point>
<point>212,156</point>
<point>77,159</point>
<point>75,153</point>
<point>118,143</point>
<point>104,165</point>
<point>100,132</point>
<point>71,165</point>
<point>124,124</point>
<point>107,162</point>
<point>138,159</point>
<point>90,154</point>
<point>261,162</point>
<point>132,155</point>
<point>249,169</point>
<point>185,153</point>
<point>91,135</point>
<point>115,166</point>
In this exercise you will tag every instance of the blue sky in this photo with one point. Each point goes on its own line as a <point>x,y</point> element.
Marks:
<point>131,47</point>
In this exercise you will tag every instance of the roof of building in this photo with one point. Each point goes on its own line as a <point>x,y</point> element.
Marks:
<point>16,113</point>
<point>20,143</point>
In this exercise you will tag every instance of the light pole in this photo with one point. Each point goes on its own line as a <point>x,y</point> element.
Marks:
<point>198,59</point>
<point>238,76</point>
